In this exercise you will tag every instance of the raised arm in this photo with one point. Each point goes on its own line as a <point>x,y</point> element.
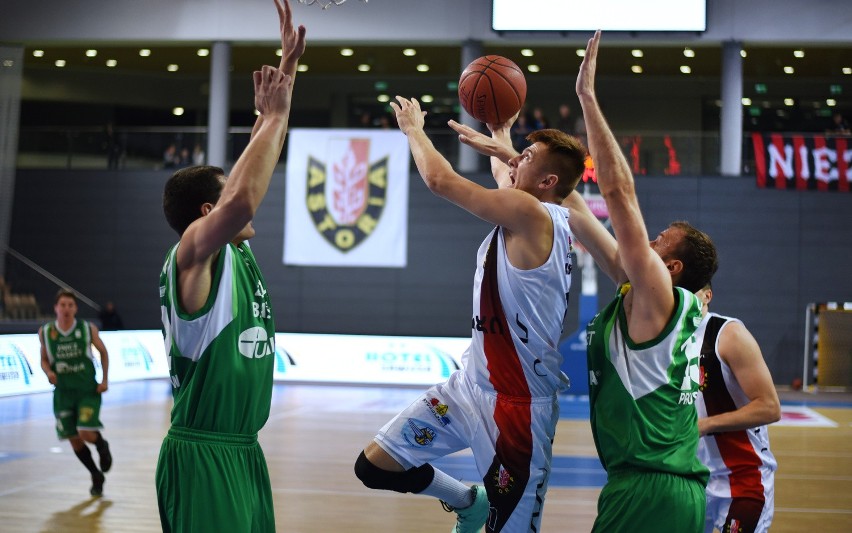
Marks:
<point>498,147</point>
<point>594,237</point>
<point>292,47</point>
<point>651,282</point>
<point>740,351</point>
<point>518,212</point>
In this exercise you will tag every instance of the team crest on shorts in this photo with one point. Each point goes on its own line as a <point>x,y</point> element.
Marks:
<point>503,480</point>
<point>418,433</point>
<point>438,410</point>
<point>347,194</point>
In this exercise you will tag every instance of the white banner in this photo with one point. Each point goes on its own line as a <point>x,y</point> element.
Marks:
<point>347,198</point>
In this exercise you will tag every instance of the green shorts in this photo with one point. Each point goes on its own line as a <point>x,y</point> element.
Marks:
<point>210,481</point>
<point>75,410</point>
<point>650,502</point>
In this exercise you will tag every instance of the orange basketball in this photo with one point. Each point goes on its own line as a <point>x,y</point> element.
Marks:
<point>492,89</point>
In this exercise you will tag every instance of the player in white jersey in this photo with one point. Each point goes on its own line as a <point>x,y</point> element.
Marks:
<point>737,401</point>
<point>502,403</point>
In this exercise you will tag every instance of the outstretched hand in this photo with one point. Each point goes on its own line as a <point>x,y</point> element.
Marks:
<point>271,91</point>
<point>292,40</point>
<point>409,116</point>
<point>480,142</point>
<point>586,77</point>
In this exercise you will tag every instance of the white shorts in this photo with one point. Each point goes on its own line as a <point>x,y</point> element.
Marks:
<point>511,440</point>
<point>744,514</point>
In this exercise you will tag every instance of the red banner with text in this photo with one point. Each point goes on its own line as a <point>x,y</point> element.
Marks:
<point>803,162</point>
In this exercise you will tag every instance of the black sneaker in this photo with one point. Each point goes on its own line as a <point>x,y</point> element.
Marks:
<point>97,484</point>
<point>105,457</point>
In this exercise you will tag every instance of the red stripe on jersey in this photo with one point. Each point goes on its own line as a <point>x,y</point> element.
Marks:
<point>512,410</point>
<point>736,449</point>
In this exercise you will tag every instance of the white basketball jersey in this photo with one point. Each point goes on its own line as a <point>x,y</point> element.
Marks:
<point>518,315</point>
<point>740,462</point>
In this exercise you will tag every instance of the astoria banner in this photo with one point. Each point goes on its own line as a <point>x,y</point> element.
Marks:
<point>347,198</point>
<point>803,162</point>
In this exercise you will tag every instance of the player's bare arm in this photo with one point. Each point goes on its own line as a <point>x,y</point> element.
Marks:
<point>594,237</point>
<point>45,361</point>
<point>528,227</point>
<point>740,351</point>
<point>650,301</point>
<point>498,147</point>
<point>99,345</point>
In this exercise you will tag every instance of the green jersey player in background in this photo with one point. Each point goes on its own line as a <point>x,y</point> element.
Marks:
<point>642,350</point>
<point>66,358</point>
<point>218,325</point>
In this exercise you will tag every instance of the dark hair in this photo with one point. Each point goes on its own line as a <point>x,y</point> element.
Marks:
<point>64,293</point>
<point>569,163</point>
<point>698,254</point>
<point>186,191</point>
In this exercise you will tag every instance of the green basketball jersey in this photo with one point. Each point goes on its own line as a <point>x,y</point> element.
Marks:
<point>220,357</point>
<point>70,355</point>
<point>642,395</point>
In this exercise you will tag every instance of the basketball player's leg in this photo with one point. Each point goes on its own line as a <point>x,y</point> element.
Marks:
<point>66,409</point>
<point>89,426</point>
<point>431,427</point>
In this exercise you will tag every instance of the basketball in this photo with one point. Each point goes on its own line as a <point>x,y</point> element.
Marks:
<point>492,89</point>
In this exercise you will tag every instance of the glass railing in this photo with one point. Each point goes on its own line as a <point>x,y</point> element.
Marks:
<point>688,153</point>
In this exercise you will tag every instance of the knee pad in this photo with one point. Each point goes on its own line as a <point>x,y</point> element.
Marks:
<point>412,480</point>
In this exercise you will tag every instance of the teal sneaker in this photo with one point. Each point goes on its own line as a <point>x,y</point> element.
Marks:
<point>471,519</point>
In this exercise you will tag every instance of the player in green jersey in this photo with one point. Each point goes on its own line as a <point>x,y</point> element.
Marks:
<point>66,358</point>
<point>218,325</point>
<point>642,351</point>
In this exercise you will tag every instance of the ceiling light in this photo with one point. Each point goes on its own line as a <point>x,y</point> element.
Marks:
<point>279,52</point>
<point>423,67</point>
<point>526,52</point>
<point>59,63</point>
<point>798,53</point>
<point>346,52</point>
<point>789,101</point>
<point>581,52</point>
<point>637,53</point>
<point>302,68</point>
<point>788,70</point>
<point>746,101</point>
<point>91,53</point>
<point>427,98</point>
<point>178,111</point>
<point>688,52</point>
<point>743,53</point>
<point>409,52</point>
<point>8,63</point>
<point>203,52</point>
<point>636,69</point>
<point>172,68</point>
<point>383,98</point>
<point>363,67</point>
<point>847,70</point>
<point>144,52</point>
<point>685,69</point>
<point>111,63</point>
<point>38,53</point>
<point>533,68</point>
<point>831,102</point>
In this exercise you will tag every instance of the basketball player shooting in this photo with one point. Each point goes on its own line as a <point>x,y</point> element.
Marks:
<point>502,403</point>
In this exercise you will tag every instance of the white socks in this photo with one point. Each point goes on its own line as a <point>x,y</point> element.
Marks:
<point>450,490</point>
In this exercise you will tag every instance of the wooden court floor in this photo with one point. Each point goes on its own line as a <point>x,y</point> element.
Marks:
<point>311,440</point>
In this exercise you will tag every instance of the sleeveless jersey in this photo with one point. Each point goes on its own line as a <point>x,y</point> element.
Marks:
<point>220,357</point>
<point>741,457</point>
<point>70,356</point>
<point>642,396</point>
<point>518,315</point>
